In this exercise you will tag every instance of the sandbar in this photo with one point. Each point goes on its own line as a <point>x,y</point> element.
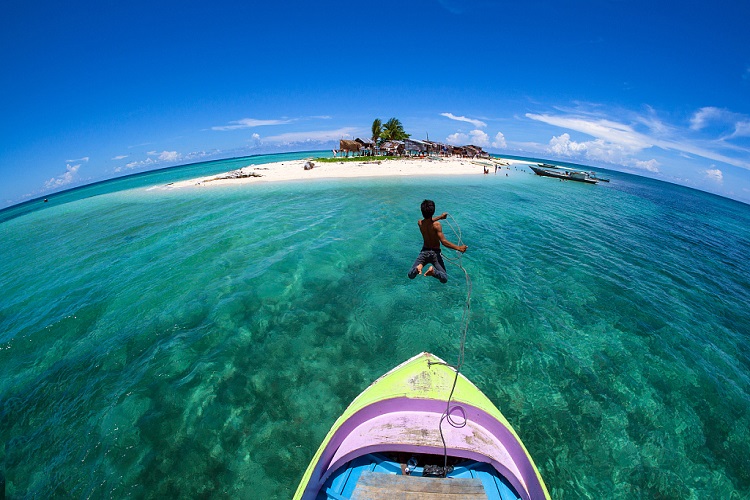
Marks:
<point>294,170</point>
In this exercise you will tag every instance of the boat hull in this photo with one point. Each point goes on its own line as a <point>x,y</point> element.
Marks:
<point>564,175</point>
<point>400,413</point>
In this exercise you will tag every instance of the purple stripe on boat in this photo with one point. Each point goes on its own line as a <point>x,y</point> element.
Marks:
<point>417,429</point>
<point>402,448</point>
<point>516,451</point>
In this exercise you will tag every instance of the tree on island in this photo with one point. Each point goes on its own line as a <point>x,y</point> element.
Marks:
<point>393,130</point>
<point>377,129</point>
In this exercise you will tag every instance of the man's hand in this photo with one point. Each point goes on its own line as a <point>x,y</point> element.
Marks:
<point>462,248</point>
<point>443,216</point>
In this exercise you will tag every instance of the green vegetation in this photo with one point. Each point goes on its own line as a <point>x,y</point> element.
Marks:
<point>353,158</point>
<point>377,129</point>
<point>393,130</point>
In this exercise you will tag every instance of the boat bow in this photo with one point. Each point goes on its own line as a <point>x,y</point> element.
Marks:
<point>401,412</point>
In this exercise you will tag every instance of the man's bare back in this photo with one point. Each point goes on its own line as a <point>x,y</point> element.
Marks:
<point>432,234</point>
<point>430,230</point>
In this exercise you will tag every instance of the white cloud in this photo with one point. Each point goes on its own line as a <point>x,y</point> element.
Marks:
<point>199,154</point>
<point>607,130</point>
<point>715,175</point>
<point>457,139</point>
<point>137,164</point>
<point>64,179</point>
<point>475,137</point>
<point>479,138</point>
<point>476,123</point>
<point>741,129</point>
<point>84,159</point>
<point>312,136</point>
<point>155,158</point>
<point>563,146</point>
<point>165,155</point>
<point>169,156</point>
<point>250,123</point>
<point>710,115</point>
<point>119,157</point>
<point>499,141</point>
<point>654,124</point>
<point>649,165</point>
<point>704,116</point>
<point>619,143</point>
<point>598,150</point>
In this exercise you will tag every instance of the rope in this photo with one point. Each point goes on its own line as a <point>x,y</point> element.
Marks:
<point>458,262</point>
<point>464,330</point>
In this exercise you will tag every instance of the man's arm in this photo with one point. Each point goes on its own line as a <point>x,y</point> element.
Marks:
<point>444,240</point>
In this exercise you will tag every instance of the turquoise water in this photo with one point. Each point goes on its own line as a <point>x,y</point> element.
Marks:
<point>201,342</point>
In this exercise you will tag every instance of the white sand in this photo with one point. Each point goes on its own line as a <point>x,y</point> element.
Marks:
<point>293,170</point>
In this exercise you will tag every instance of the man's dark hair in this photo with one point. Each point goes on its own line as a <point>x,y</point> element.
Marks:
<point>428,209</point>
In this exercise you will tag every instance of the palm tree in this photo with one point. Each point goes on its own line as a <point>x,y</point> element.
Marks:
<point>377,129</point>
<point>393,130</point>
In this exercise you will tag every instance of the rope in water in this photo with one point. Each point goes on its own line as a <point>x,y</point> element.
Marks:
<point>464,330</point>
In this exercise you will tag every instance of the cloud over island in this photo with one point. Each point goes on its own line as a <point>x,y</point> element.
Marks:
<point>475,122</point>
<point>250,123</point>
<point>617,142</point>
<point>70,175</point>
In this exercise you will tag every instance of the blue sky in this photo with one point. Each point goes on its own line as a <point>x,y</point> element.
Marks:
<point>92,90</point>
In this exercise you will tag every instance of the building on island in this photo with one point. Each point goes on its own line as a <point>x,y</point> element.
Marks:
<point>411,147</point>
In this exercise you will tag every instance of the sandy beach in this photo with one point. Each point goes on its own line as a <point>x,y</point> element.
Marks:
<point>295,170</point>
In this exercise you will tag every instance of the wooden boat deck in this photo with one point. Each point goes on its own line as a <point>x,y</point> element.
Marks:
<point>377,486</point>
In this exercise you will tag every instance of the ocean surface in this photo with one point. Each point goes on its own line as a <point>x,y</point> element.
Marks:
<point>200,342</point>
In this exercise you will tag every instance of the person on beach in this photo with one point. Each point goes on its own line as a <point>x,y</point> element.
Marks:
<point>432,234</point>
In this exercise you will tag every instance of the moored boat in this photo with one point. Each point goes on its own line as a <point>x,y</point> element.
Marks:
<point>563,174</point>
<point>395,438</point>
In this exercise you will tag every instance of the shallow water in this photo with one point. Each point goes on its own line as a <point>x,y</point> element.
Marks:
<point>202,342</point>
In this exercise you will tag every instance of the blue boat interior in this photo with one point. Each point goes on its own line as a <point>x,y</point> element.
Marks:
<point>342,483</point>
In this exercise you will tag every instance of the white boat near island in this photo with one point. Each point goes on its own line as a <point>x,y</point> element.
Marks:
<point>563,173</point>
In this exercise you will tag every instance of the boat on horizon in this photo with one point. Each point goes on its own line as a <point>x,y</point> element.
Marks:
<point>422,427</point>
<point>556,172</point>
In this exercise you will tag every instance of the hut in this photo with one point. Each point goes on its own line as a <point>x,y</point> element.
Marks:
<point>436,148</point>
<point>413,147</point>
<point>393,148</point>
<point>345,146</point>
<point>461,151</point>
<point>367,146</point>
<point>476,151</point>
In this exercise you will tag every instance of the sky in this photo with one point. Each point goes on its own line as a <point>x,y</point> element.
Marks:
<point>94,90</point>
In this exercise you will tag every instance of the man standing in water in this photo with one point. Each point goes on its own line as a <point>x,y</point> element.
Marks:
<point>432,234</point>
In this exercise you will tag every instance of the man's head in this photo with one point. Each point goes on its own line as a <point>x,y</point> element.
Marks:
<point>428,209</point>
